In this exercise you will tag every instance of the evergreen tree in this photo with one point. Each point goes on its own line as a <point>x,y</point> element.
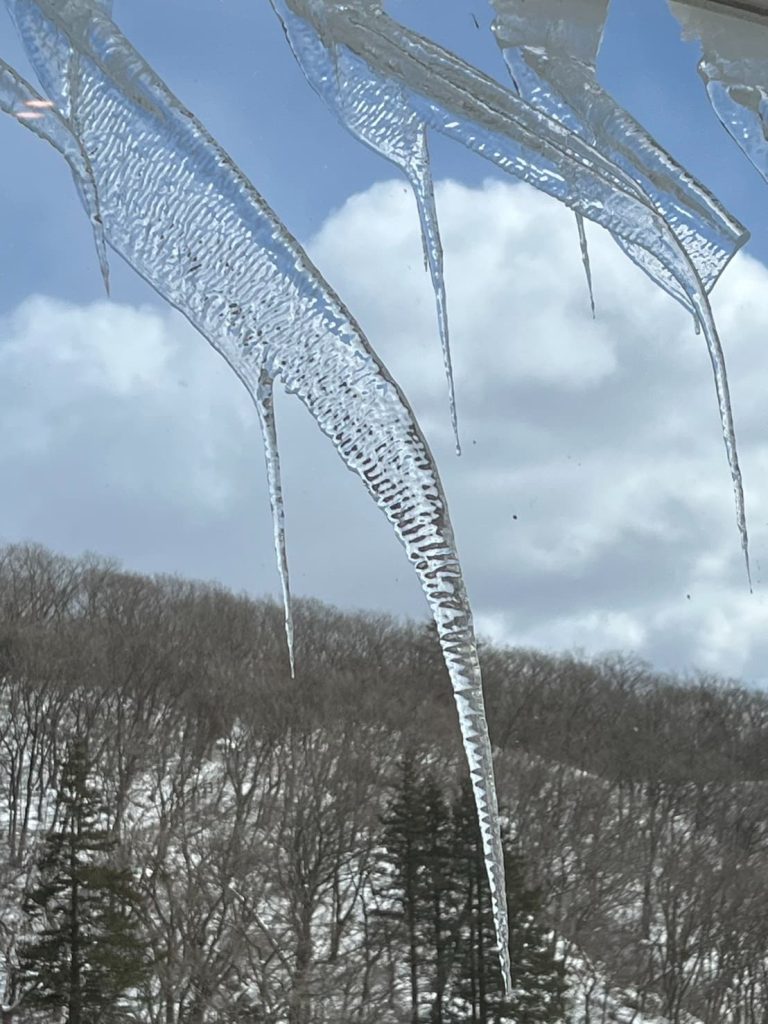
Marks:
<point>537,975</point>
<point>87,951</point>
<point>415,884</point>
<point>403,854</point>
<point>436,893</point>
<point>476,949</point>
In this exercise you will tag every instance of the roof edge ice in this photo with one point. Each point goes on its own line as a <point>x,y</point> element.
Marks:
<point>744,8</point>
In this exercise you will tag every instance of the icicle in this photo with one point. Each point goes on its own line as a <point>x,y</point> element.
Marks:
<point>551,50</point>
<point>584,246</point>
<point>462,103</point>
<point>179,211</point>
<point>394,131</point>
<point>682,238</point>
<point>18,98</point>
<point>420,176</point>
<point>265,408</point>
<point>734,68</point>
<point>703,314</point>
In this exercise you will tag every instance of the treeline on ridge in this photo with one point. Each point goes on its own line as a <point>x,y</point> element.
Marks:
<point>252,809</point>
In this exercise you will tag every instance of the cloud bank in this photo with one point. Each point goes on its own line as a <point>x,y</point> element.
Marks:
<point>592,506</point>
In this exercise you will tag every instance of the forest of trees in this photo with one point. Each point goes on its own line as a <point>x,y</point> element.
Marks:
<point>190,836</point>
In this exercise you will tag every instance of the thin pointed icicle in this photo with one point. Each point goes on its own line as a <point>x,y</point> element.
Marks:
<point>395,132</point>
<point>734,69</point>
<point>683,245</point>
<point>22,101</point>
<point>584,246</point>
<point>263,399</point>
<point>181,213</point>
<point>420,176</point>
<point>703,314</point>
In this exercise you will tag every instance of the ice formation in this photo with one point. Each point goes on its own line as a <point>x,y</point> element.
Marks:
<point>262,395</point>
<point>583,245</point>
<point>17,97</point>
<point>394,130</point>
<point>171,202</point>
<point>177,209</point>
<point>551,50</point>
<point>668,223</point>
<point>734,67</point>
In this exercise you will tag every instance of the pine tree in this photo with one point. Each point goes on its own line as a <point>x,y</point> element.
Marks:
<point>436,893</point>
<point>87,951</point>
<point>403,846</point>
<point>537,975</point>
<point>415,884</point>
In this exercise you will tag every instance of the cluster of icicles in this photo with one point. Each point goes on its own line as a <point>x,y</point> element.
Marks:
<point>165,196</point>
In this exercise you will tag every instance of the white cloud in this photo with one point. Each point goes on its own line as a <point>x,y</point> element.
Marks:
<point>593,504</point>
<point>505,295</point>
<point>593,496</point>
<point>134,394</point>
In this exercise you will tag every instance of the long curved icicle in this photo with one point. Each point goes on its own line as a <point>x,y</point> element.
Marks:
<point>18,98</point>
<point>734,68</point>
<point>264,401</point>
<point>178,210</point>
<point>682,245</point>
<point>396,133</point>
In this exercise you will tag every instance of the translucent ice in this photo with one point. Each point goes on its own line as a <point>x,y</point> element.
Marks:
<point>263,398</point>
<point>583,245</point>
<point>179,211</point>
<point>17,97</point>
<point>734,67</point>
<point>668,223</point>
<point>394,130</point>
<point>551,48</point>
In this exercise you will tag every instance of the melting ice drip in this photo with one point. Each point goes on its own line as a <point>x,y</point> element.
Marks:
<point>558,131</point>
<point>734,67</point>
<point>165,196</point>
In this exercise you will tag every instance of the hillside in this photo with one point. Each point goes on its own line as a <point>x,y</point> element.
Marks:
<point>248,806</point>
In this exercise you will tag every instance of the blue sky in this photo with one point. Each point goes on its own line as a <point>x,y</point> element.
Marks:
<point>123,434</point>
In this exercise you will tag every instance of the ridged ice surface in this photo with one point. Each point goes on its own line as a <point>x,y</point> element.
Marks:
<point>394,130</point>
<point>734,67</point>
<point>181,213</point>
<point>564,135</point>
<point>550,48</point>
